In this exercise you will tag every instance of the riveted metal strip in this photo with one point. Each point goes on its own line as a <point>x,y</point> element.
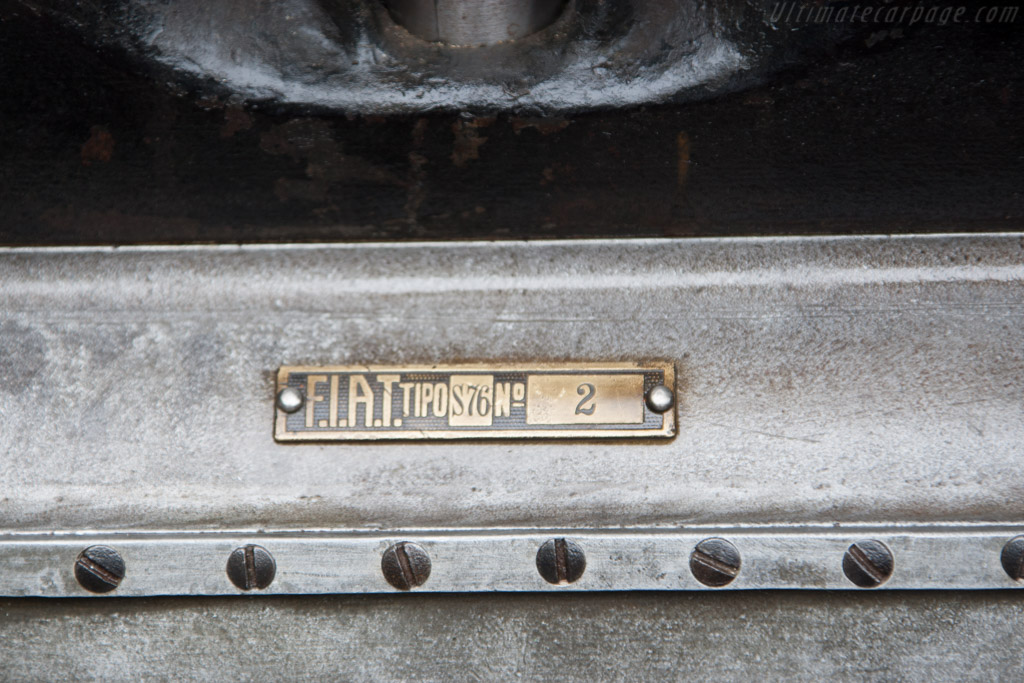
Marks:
<point>469,561</point>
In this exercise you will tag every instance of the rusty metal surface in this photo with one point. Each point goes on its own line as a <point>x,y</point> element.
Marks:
<point>753,636</point>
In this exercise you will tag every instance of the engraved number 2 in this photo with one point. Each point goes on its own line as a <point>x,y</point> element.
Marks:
<point>587,392</point>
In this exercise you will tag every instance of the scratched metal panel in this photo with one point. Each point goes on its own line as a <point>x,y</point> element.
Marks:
<point>834,379</point>
<point>847,379</point>
<point>802,636</point>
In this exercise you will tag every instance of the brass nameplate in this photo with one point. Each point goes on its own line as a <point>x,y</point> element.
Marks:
<point>564,400</point>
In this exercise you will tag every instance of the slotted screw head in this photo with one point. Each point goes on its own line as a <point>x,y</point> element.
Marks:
<point>1012,558</point>
<point>561,561</point>
<point>289,399</point>
<point>715,562</point>
<point>660,398</point>
<point>405,566</point>
<point>99,569</point>
<point>868,564</point>
<point>251,566</point>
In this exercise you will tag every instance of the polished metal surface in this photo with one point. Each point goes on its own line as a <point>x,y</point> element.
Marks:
<point>289,400</point>
<point>660,398</point>
<point>474,22</point>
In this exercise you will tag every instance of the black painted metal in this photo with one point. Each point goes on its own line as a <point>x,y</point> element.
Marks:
<point>914,131</point>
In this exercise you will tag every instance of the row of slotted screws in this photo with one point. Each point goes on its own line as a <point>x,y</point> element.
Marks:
<point>714,562</point>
